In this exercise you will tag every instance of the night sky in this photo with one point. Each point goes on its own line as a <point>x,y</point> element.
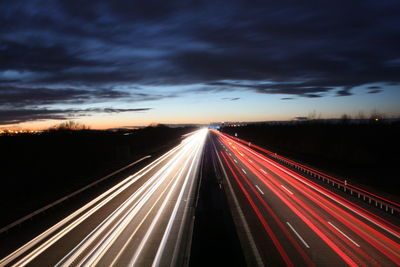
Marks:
<point>124,63</point>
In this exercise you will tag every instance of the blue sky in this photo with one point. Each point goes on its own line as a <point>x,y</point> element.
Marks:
<point>122,63</point>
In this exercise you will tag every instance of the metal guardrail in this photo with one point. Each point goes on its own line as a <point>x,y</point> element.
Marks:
<point>386,205</point>
<point>36,212</point>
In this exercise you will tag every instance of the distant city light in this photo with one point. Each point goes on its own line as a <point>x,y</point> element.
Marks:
<point>16,132</point>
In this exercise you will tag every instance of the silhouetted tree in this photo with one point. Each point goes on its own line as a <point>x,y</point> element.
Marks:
<point>70,126</point>
<point>345,119</point>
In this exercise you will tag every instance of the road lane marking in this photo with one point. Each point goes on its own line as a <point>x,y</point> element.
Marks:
<point>287,189</point>
<point>241,154</point>
<point>321,192</point>
<point>109,238</point>
<point>263,171</point>
<point>137,228</point>
<point>259,190</point>
<point>230,154</point>
<point>121,250</point>
<point>102,247</point>
<point>156,218</point>
<point>172,220</point>
<point>329,242</point>
<point>98,203</point>
<point>69,195</point>
<point>239,210</point>
<point>298,235</point>
<point>337,229</point>
<point>235,160</point>
<point>82,213</point>
<point>250,161</point>
<point>244,171</point>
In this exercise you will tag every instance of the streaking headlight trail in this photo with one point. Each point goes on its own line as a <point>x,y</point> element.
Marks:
<point>141,221</point>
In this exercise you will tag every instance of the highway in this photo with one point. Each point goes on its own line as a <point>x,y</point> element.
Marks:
<point>281,218</point>
<point>144,220</point>
<point>284,219</point>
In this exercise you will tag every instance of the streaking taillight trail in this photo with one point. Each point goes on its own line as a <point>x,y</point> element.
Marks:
<point>355,234</point>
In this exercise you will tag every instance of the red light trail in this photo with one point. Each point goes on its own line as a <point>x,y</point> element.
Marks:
<point>356,235</point>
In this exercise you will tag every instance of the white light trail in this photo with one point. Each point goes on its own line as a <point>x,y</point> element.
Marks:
<point>118,219</point>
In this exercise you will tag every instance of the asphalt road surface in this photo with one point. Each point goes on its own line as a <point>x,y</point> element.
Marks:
<point>271,214</point>
<point>286,219</point>
<point>142,221</point>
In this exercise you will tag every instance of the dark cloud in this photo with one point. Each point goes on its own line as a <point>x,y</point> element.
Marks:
<point>126,11</point>
<point>21,97</point>
<point>13,116</point>
<point>312,95</point>
<point>374,89</point>
<point>231,98</point>
<point>295,48</point>
<point>119,110</point>
<point>344,92</point>
<point>38,57</point>
<point>287,98</point>
<point>17,97</point>
<point>300,89</point>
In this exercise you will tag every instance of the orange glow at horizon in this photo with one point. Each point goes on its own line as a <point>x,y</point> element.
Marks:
<point>107,122</point>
